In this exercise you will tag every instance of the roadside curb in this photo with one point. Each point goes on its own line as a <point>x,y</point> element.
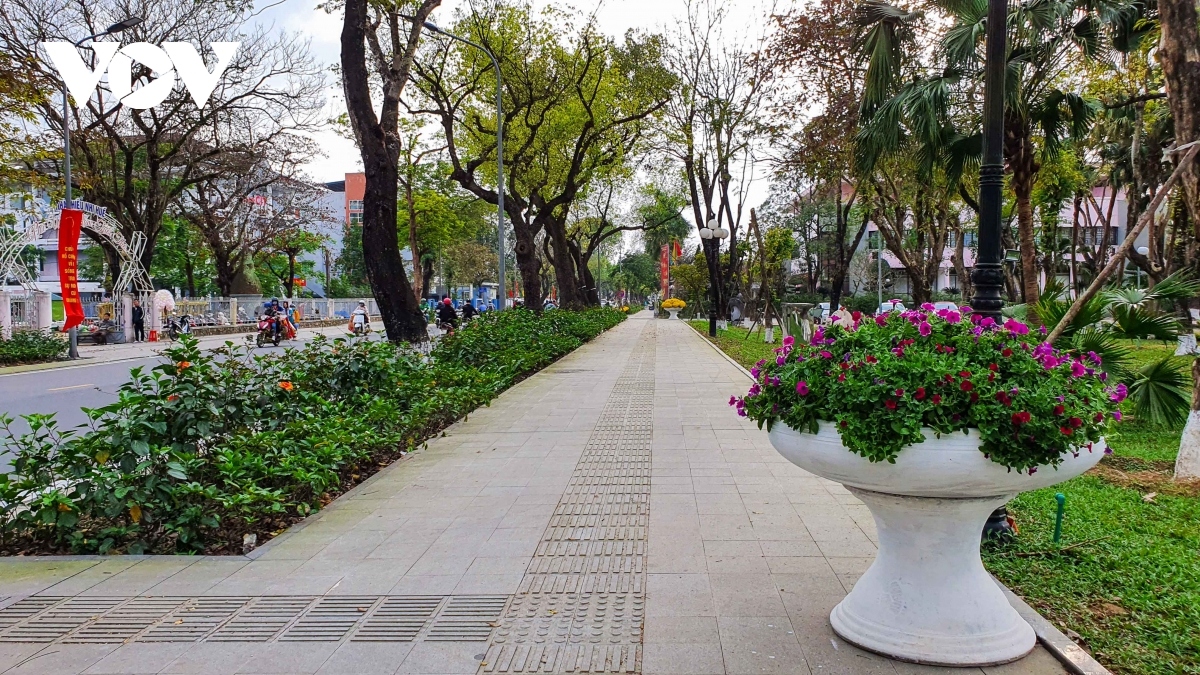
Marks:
<point>1071,655</point>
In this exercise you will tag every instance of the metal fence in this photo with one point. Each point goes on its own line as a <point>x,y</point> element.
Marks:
<point>24,312</point>
<point>247,309</point>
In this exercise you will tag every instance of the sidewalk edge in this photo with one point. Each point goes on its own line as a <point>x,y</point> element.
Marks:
<point>1071,655</point>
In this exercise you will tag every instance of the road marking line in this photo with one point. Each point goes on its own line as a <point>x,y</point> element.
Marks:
<point>74,386</point>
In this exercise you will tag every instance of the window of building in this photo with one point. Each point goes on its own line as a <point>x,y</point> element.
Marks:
<point>355,218</point>
<point>356,205</point>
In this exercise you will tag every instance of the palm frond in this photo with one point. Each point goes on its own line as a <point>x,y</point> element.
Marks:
<point>1178,286</point>
<point>1141,322</point>
<point>1051,311</point>
<point>882,43</point>
<point>1114,357</point>
<point>1160,394</point>
<point>1124,297</point>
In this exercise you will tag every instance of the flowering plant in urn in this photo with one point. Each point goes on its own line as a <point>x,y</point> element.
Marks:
<point>883,379</point>
<point>933,419</point>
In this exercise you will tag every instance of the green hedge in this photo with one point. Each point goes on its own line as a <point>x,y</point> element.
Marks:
<point>32,346</point>
<point>211,446</point>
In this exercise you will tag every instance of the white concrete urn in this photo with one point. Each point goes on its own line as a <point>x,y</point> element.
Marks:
<point>674,312</point>
<point>927,597</point>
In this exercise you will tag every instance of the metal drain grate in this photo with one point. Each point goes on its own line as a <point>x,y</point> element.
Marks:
<point>126,621</point>
<point>194,620</point>
<point>260,621</point>
<point>59,620</point>
<point>23,609</point>
<point>398,619</point>
<point>330,620</point>
<point>468,618</point>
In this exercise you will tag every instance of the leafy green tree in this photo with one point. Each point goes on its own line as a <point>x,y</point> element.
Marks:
<point>182,260</point>
<point>578,106</point>
<point>637,274</point>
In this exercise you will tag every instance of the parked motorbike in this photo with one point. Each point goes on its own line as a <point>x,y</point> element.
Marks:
<point>267,331</point>
<point>180,326</point>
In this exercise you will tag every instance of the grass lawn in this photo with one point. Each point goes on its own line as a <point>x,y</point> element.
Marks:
<point>1126,577</point>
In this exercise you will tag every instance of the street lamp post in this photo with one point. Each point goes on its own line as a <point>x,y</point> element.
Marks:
<point>1142,250</point>
<point>117,27</point>
<point>713,230</point>
<point>432,27</point>
<point>988,274</point>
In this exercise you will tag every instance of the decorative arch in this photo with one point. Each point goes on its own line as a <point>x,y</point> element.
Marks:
<point>98,224</point>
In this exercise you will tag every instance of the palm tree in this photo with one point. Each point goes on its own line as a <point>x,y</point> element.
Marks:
<point>1045,38</point>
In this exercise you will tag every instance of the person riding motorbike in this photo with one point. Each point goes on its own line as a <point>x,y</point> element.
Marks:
<point>447,316</point>
<point>360,318</point>
<point>275,311</point>
<point>469,312</point>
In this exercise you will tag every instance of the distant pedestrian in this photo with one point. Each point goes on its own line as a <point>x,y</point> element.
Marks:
<point>139,322</point>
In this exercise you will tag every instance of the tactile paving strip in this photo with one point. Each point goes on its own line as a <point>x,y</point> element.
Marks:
<point>280,618</point>
<point>580,606</point>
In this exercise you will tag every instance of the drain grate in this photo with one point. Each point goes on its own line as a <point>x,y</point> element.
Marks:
<point>330,620</point>
<point>194,620</point>
<point>398,619</point>
<point>262,619</point>
<point>23,609</point>
<point>468,618</point>
<point>60,619</point>
<point>126,621</point>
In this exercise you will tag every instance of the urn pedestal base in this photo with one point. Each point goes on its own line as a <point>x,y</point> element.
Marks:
<point>927,597</point>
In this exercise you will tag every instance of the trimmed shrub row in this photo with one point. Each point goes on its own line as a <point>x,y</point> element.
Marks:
<point>211,446</point>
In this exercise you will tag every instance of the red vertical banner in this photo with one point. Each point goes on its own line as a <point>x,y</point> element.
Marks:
<point>678,249</point>
<point>664,270</point>
<point>70,222</point>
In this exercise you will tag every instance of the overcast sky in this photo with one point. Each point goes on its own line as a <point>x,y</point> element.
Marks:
<point>614,16</point>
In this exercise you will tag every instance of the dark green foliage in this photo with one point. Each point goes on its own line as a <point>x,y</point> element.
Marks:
<point>211,446</point>
<point>32,346</point>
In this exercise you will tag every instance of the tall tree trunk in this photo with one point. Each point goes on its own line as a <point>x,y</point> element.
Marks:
<point>426,275</point>
<point>530,267</point>
<point>1179,53</point>
<point>379,147</point>
<point>418,283</point>
<point>1021,156</point>
<point>569,295</point>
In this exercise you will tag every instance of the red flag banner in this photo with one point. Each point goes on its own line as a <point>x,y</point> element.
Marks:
<point>678,249</point>
<point>664,269</point>
<point>70,222</point>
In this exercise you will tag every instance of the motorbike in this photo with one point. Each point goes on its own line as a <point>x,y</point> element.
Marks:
<point>446,327</point>
<point>182,326</point>
<point>267,331</point>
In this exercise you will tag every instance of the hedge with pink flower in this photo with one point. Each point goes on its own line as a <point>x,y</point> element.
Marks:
<point>884,378</point>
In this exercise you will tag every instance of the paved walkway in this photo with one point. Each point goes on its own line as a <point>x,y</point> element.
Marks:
<point>609,514</point>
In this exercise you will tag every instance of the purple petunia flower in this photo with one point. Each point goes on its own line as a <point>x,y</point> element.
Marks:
<point>789,341</point>
<point>924,329</point>
<point>826,354</point>
<point>952,316</point>
<point>927,306</point>
<point>780,360</point>
<point>987,322</point>
<point>1117,415</point>
<point>881,319</point>
<point>802,388</point>
<point>732,400</point>
<point>1119,393</point>
<point>1078,369</point>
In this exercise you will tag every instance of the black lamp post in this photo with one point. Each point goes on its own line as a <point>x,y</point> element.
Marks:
<point>988,275</point>
<point>713,230</point>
